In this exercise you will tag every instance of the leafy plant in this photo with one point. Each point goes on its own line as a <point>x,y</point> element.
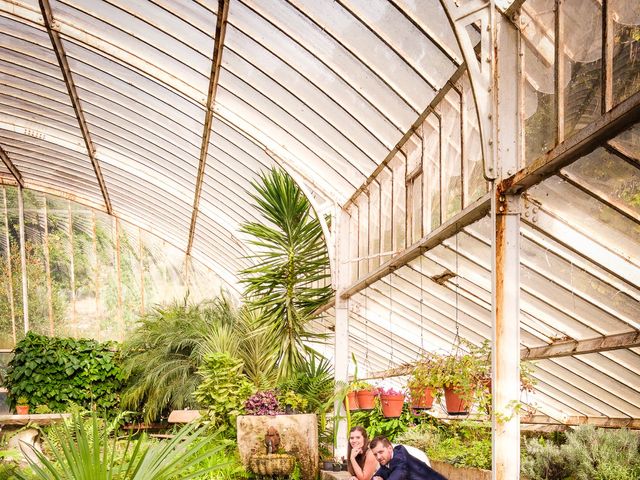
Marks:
<point>86,452</point>
<point>262,403</point>
<point>164,353</point>
<point>291,263</point>
<point>223,390</point>
<point>458,443</point>
<point>376,424</point>
<point>57,371</point>
<point>589,453</point>
<point>293,400</point>
<point>313,381</point>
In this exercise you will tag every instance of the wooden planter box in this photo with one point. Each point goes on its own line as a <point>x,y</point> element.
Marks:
<point>460,473</point>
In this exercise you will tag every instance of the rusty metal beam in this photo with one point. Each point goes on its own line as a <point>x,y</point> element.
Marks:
<point>557,349</point>
<point>581,347</point>
<point>579,144</point>
<point>604,422</point>
<point>58,48</point>
<point>221,28</point>
<point>12,168</point>
<point>472,213</point>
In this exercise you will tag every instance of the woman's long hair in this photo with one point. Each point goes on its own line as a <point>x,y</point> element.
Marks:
<point>360,459</point>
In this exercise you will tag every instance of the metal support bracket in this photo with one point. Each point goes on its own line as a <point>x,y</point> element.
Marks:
<point>466,16</point>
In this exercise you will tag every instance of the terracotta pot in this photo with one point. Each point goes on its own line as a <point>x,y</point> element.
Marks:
<point>456,405</point>
<point>352,401</point>
<point>22,409</point>
<point>391,404</point>
<point>366,399</point>
<point>422,399</point>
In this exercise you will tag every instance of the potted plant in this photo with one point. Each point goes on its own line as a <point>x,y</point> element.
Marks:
<point>365,394</point>
<point>424,381</point>
<point>263,402</point>
<point>22,406</point>
<point>391,402</point>
<point>293,402</point>
<point>463,376</point>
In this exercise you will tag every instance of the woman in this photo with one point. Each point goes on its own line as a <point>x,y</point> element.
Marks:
<point>362,464</point>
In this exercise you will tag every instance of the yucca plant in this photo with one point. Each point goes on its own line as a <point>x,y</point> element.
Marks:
<point>85,450</point>
<point>286,282</point>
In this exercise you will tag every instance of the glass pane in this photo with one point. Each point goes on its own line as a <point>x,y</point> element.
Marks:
<point>353,241</point>
<point>537,26</point>
<point>374,225</point>
<point>8,316</point>
<point>130,248</point>
<point>38,298</point>
<point>449,110</point>
<point>432,180</point>
<point>386,208</point>
<point>583,48</point>
<point>398,165</point>
<point>625,15</point>
<point>414,151</point>
<point>628,143</point>
<point>474,183</point>
<point>610,177</point>
<point>589,216</point>
<point>363,233</point>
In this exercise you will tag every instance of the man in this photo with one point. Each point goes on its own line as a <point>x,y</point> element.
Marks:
<point>398,464</point>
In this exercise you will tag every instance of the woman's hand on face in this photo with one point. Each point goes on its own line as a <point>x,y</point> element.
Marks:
<point>355,452</point>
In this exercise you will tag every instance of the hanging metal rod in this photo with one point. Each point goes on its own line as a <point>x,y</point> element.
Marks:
<point>218,46</point>
<point>58,48</point>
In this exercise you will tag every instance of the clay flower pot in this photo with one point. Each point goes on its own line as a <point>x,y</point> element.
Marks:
<point>456,405</point>
<point>352,401</point>
<point>22,409</point>
<point>366,399</point>
<point>421,398</point>
<point>391,404</point>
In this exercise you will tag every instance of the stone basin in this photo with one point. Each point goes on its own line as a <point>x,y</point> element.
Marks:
<point>273,464</point>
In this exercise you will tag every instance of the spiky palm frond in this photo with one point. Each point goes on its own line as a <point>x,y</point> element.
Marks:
<point>85,450</point>
<point>291,263</point>
<point>162,355</point>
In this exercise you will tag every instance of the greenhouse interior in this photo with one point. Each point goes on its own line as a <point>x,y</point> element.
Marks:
<point>231,232</point>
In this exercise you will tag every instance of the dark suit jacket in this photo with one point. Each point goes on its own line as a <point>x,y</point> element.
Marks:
<point>404,466</point>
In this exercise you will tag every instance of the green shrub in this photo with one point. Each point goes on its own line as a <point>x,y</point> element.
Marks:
<point>223,390</point>
<point>56,371</point>
<point>588,454</point>
<point>463,443</point>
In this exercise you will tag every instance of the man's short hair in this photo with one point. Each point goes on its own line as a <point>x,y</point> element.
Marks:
<point>379,439</point>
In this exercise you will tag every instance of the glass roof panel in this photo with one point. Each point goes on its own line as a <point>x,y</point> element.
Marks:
<point>358,31</point>
<point>318,56</point>
<point>131,32</point>
<point>609,177</point>
<point>339,103</point>
<point>591,217</point>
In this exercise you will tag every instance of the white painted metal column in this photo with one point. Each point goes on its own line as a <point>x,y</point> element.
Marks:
<point>23,262</point>
<point>505,212</point>
<point>341,346</point>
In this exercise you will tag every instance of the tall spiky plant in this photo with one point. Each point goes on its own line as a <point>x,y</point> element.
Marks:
<point>163,354</point>
<point>292,260</point>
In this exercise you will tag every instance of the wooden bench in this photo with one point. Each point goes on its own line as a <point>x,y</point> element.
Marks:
<point>176,417</point>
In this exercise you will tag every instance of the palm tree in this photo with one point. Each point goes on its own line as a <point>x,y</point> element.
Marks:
<point>287,282</point>
<point>162,356</point>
